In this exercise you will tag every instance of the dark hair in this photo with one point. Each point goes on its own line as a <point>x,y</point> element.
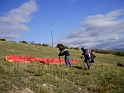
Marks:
<point>61,49</point>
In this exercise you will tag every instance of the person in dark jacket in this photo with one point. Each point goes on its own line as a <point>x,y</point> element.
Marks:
<point>87,55</point>
<point>65,52</point>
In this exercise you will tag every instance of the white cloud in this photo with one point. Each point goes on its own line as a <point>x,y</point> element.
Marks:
<point>98,31</point>
<point>13,23</point>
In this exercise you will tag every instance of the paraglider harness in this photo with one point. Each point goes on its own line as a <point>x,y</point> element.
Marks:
<point>88,55</point>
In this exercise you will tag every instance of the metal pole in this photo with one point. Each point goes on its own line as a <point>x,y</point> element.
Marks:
<point>51,35</point>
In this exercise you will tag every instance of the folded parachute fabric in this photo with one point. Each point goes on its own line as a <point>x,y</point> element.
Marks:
<point>50,60</point>
<point>27,59</point>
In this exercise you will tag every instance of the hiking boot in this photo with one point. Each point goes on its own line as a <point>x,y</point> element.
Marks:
<point>88,68</point>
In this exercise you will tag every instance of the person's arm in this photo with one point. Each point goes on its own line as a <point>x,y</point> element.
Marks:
<point>60,54</point>
<point>59,59</point>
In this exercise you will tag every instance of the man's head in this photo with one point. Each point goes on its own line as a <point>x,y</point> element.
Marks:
<point>61,49</point>
<point>82,48</point>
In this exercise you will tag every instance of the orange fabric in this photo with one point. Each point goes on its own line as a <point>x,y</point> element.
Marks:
<point>19,58</point>
<point>26,59</point>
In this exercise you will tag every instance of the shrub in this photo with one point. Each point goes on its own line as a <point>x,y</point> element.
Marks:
<point>23,42</point>
<point>2,39</point>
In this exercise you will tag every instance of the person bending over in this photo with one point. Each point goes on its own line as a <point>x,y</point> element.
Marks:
<point>65,52</point>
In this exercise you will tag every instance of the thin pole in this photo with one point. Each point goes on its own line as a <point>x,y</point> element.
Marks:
<point>52,35</point>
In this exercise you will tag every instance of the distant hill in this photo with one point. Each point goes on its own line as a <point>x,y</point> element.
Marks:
<point>119,49</point>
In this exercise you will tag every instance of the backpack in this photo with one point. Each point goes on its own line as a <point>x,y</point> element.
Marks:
<point>92,57</point>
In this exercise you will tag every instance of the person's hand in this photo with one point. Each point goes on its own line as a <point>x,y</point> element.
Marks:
<point>81,57</point>
<point>59,59</point>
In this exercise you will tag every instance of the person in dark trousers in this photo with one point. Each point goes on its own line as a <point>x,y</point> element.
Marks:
<point>65,52</point>
<point>87,55</point>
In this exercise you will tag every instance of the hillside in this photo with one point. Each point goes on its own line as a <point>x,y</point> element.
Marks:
<point>35,77</point>
<point>119,49</point>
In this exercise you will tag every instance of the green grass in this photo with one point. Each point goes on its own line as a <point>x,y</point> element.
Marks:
<point>104,77</point>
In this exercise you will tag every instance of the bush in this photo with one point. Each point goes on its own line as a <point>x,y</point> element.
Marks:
<point>23,42</point>
<point>2,39</point>
<point>45,45</point>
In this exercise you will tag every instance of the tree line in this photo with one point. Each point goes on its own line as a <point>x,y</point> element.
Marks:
<point>75,48</point>
<point>108,52</point>
<point>47,45</point>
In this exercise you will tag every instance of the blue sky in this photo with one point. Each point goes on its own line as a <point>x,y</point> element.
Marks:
<point>75,23</point>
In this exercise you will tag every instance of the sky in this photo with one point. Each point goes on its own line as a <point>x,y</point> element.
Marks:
<point>73,23</point>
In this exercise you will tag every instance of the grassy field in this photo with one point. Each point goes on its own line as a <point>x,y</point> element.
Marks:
<point>35,77</point>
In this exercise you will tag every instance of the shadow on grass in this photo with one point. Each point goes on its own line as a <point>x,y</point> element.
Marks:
<point>78,67</point>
